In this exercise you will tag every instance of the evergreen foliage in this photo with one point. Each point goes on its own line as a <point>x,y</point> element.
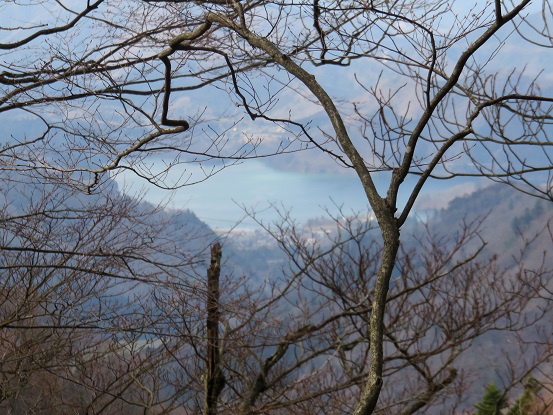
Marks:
<point>523,404</point>
<point>492,401</point>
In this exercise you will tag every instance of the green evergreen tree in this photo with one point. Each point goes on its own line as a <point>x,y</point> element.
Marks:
<point>520,407</point>
<point>492,401</point>
<point>524,402</point>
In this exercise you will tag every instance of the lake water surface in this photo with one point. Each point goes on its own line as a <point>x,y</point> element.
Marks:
<point>218,200</point>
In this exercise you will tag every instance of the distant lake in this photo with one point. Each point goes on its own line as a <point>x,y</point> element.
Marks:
<point>254,185</point>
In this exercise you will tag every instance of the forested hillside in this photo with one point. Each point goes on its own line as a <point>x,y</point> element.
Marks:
<point>83,290</point>
<point>506,220</point>
<point>85,284</point>
<point>501,241</point>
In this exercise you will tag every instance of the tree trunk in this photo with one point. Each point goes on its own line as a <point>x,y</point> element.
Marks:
<point>214,378</point>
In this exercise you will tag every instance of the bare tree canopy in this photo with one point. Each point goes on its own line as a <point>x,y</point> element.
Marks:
<point>430,86</point>
<point>412,90</point>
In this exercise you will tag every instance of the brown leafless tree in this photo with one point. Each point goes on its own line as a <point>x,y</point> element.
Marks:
<point>78,274</point>
<point>442,301</point>
<point>93,89</point>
